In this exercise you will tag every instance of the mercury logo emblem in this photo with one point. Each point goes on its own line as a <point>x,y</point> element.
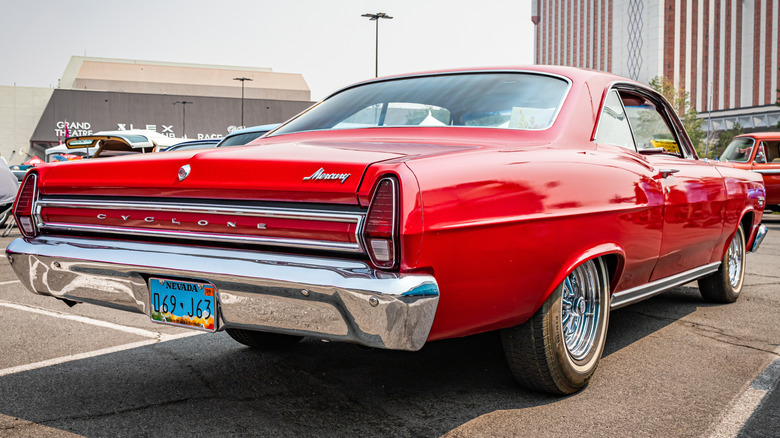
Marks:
<point>322,175</point>
<point>184,172</point>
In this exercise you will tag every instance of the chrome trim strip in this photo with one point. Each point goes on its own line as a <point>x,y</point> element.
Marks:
<point>639,293</point>
<point>324,297</point>
<point>271,212</point>
<point>260,212</point>
<point>762,230</point>
<point>261,240</point>
<point>767,171</point>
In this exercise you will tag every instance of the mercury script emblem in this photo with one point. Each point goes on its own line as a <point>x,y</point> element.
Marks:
<point>184,172</point>
<point>320,174</point>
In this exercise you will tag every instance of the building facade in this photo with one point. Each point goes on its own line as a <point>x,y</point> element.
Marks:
<point>178,100</point>
<point>724,53</point>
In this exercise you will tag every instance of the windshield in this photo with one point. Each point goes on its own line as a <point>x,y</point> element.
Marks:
<point>240,139</point>
<point>738,150</point>
<point>496,100</point>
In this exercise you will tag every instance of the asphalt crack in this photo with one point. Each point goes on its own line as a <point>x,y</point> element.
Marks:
<point>715,333</point>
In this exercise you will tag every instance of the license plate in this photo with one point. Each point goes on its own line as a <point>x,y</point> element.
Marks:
<point>189,304</point>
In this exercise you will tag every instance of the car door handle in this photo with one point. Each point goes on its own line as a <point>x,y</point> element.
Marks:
<point>666,172</point>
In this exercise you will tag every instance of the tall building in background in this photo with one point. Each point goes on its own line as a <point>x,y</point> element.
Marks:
<point>724,53</point>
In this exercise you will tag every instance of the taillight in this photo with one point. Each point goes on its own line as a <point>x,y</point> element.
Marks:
<point>25,203</point>
<point>380,233</point>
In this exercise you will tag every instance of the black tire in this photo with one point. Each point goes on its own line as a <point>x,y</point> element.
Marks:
<point>543,354</point>
<point>263,340</point>
<point>725,285</point>
<point>4,215</point>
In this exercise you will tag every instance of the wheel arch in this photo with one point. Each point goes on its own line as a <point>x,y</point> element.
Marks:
<point>614,260</point>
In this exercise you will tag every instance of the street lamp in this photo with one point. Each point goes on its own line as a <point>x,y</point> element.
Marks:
<point>242,96</point>
<point>184,104</point>
<point>376,17</point>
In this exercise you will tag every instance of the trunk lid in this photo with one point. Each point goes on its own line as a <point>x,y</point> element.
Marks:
<point>308,171</point>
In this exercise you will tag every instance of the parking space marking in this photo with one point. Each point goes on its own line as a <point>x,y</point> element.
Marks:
<point>744,405</point>
<point>91,354</point>
<point>82,319</point>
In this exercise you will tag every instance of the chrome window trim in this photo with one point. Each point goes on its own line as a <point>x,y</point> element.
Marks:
<point>260,212</point>
<point>685,147</point>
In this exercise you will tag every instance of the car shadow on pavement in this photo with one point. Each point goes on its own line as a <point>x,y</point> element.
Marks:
<point>210,384</point>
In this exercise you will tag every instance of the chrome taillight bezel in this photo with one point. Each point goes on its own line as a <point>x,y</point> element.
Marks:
<point>27,221</point>
<point>393,241</point>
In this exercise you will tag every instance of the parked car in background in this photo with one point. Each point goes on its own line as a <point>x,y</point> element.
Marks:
<point>64,151</point>
<point>9,186</point>
<point>193,144</point>
<point>759,152</point>
<point>116,143</point>
<point>405,210</point>
<point>243,136</point>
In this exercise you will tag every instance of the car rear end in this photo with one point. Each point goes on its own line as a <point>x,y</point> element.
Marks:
<point>302,246</point>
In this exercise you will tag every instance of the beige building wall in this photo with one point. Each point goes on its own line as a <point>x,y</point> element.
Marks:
<point>20,111</point>
<point>150,77</point>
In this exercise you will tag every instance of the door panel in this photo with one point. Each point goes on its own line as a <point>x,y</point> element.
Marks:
<point>695,202</point>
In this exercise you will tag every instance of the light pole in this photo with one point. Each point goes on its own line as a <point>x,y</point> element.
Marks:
<point>242,96</point>
<point>184,104</point>
<point>376,17</point>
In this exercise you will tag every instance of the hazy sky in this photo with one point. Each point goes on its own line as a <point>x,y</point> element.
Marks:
<point>325,40</point>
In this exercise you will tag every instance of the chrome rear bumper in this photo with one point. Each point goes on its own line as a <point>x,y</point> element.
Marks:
<point>760,234</point>
<point>335,299</point>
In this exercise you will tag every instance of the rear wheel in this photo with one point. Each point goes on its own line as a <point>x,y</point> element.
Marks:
<point>5,214</point>
<point>263,340</point>
<point>725,284</point>
<point>559,348</point>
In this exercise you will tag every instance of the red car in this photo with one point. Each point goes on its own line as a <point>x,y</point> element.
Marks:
<point>759,152</point>
<point>404,210</point>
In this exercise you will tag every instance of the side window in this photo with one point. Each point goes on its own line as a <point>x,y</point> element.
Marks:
<point>650,126</point>
<point>773,151</point>
<point>761,154</point>
<point>613,124</point>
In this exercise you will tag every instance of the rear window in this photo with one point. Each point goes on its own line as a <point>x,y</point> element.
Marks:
<point>523,101</point>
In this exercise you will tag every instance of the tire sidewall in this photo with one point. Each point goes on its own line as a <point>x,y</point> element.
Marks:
<point>731,291</point>
<point>578,372</point>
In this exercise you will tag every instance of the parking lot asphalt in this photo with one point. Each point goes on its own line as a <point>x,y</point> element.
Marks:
<point>673,366</point>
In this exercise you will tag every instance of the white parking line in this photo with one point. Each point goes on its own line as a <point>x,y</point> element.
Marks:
<point>91,354</point>
<point>9,282</point>
<point>743,406</point>
<point>82,319</point>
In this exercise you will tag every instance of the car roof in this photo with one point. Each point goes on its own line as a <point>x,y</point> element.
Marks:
<point>762,135</point>
<point>257,128</point>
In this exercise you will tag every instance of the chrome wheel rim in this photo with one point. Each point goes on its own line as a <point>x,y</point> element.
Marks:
<point>581,310</point>
<point>735,256</point>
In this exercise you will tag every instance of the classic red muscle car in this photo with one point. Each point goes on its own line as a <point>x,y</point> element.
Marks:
<point>404,210</point>
<point>759,152</point>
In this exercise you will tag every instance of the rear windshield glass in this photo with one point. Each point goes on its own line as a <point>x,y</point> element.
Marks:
<point>496,100</point>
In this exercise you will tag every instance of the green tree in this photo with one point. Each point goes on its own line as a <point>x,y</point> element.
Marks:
<point>725,137</point>
<point>681,103</point>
